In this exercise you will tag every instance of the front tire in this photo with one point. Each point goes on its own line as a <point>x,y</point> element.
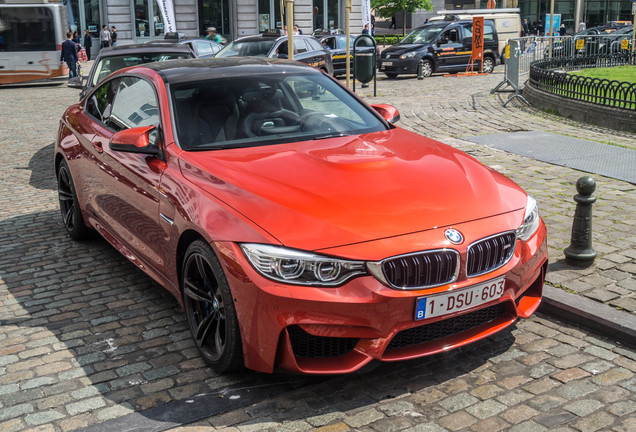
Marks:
<point>427,68</point>
<point>209,308</point>
<point>69,204</point>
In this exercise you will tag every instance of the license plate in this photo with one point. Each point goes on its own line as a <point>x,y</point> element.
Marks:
<point>387,63</point>
<point>459,300</point>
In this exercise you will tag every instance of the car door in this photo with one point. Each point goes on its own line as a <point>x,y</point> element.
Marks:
<point>450,52</point>
<point>125,194</point>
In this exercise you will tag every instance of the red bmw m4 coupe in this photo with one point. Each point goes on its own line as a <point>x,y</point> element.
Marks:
<point>299,228</point>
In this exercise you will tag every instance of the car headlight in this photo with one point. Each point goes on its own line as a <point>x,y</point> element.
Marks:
<point>531,220</point>
<point>300,268</point>
<point>408,55</point>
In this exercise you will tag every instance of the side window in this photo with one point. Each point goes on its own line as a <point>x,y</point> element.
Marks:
<point>489,32</point>
<point>450,36</point>
<point>135,105</point>
<point>100,104</point>
<point>203,48</point>
<point>314,45</point>
<point>300,46</point>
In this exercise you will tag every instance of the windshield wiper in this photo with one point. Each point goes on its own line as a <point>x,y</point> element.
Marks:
<point>332,135</point>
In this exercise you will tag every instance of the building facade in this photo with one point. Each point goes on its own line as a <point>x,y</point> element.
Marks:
<point>139,21</point>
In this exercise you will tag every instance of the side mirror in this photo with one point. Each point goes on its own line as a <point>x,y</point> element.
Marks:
<point>136,140</point>
<point>75,82</point>
<point>388,112</point>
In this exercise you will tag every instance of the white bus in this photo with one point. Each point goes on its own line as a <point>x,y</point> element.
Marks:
<point>31,36</point>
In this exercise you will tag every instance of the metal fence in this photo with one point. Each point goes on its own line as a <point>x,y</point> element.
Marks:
<point>551,75</point>
<point>520,53</point>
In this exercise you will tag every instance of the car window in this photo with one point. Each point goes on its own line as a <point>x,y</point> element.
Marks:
<point>203,48</point>
<point>300,46</point>
<point>313,44</point>
<point>450,36</point>
<point>489,31</point>
<point>423,34</point>
<point>100,103</point>
<point>252,111</point>
<point>110,64</point>
<point>256,48</point>
<point>135,105</point>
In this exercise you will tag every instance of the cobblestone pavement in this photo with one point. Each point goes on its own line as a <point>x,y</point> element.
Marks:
<point>86,339</point>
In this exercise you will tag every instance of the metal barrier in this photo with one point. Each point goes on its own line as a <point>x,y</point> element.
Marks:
<point>520,53</point>
<point>550,76</point>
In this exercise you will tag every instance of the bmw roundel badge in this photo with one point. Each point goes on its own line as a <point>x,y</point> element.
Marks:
<point>453,236</point>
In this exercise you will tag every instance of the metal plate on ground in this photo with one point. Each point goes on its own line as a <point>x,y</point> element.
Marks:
<point>589,156</point>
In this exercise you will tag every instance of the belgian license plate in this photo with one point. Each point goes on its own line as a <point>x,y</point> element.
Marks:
<point>387,63</point>
<point>459,300</point>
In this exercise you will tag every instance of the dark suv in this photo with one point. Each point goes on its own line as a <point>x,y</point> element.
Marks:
<point>444,46</point>
<point>274,45</point>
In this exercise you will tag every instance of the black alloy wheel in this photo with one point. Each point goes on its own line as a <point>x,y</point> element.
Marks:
<point>69,204</point>
<point>210,309</point>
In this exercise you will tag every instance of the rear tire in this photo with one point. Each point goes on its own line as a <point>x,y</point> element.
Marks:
<point>209,308</point>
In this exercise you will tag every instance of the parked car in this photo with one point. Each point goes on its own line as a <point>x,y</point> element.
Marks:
<point>112,59</point>
<point>443,46</point>
<point>337,45</point>
<point>272,44</point>
<point>298,227</point>
<point>202,48</point>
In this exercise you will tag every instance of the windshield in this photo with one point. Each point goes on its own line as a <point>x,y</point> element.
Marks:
<point>253,48</point>
<point>423,35</point>
<point>110,64</point>
<point>250,111</point>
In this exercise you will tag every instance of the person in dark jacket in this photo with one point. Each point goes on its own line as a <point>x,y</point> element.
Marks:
<point>69,54</point>
<point>113,36</point>
<point>88,44</point>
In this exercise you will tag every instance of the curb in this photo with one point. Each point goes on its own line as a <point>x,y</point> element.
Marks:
<point>598,317</point>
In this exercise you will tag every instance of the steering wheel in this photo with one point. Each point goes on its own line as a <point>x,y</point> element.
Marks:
<point>258,124</point>
<point>313,121</point>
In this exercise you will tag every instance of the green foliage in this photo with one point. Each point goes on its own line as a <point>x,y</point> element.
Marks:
<point>389,39</point>
<point>388,8</point>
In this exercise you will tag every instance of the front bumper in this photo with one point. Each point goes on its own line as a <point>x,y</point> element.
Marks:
<point>339,330</point>
<point>397,65</point>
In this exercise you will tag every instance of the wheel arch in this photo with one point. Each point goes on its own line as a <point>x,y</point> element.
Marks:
<point>187,238</point>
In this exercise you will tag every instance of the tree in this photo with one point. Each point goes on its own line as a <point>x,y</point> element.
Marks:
<point>388,8</point>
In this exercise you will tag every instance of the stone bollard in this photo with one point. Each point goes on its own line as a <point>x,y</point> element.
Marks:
<point>420,69</point>
<point>580,252</point>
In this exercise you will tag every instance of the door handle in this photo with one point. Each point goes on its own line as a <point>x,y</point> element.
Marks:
<point>98,146</point>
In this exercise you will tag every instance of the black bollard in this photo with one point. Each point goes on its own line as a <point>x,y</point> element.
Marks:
<point>420,69</point>
<point>580,252</point>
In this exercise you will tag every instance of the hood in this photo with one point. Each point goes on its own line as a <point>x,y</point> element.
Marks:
<point>400,49</point>
<point>320,194</point>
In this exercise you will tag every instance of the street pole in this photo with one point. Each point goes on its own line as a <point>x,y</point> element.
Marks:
<point>289,11</point>
<point>348,39</point>
<point>551,30</point>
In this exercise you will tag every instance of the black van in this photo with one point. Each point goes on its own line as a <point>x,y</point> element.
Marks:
<point>444,46</point>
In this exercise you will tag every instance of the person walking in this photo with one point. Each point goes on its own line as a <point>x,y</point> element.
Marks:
<point>88,44</point>
<point>104,37</point>
<point>213,36</point>
<point>393,23</point>
<point>69,55</point>
<point>581,26</point>
<point>113,36</point>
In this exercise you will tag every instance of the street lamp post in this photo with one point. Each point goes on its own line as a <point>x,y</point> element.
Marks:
<point>348,39</point>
